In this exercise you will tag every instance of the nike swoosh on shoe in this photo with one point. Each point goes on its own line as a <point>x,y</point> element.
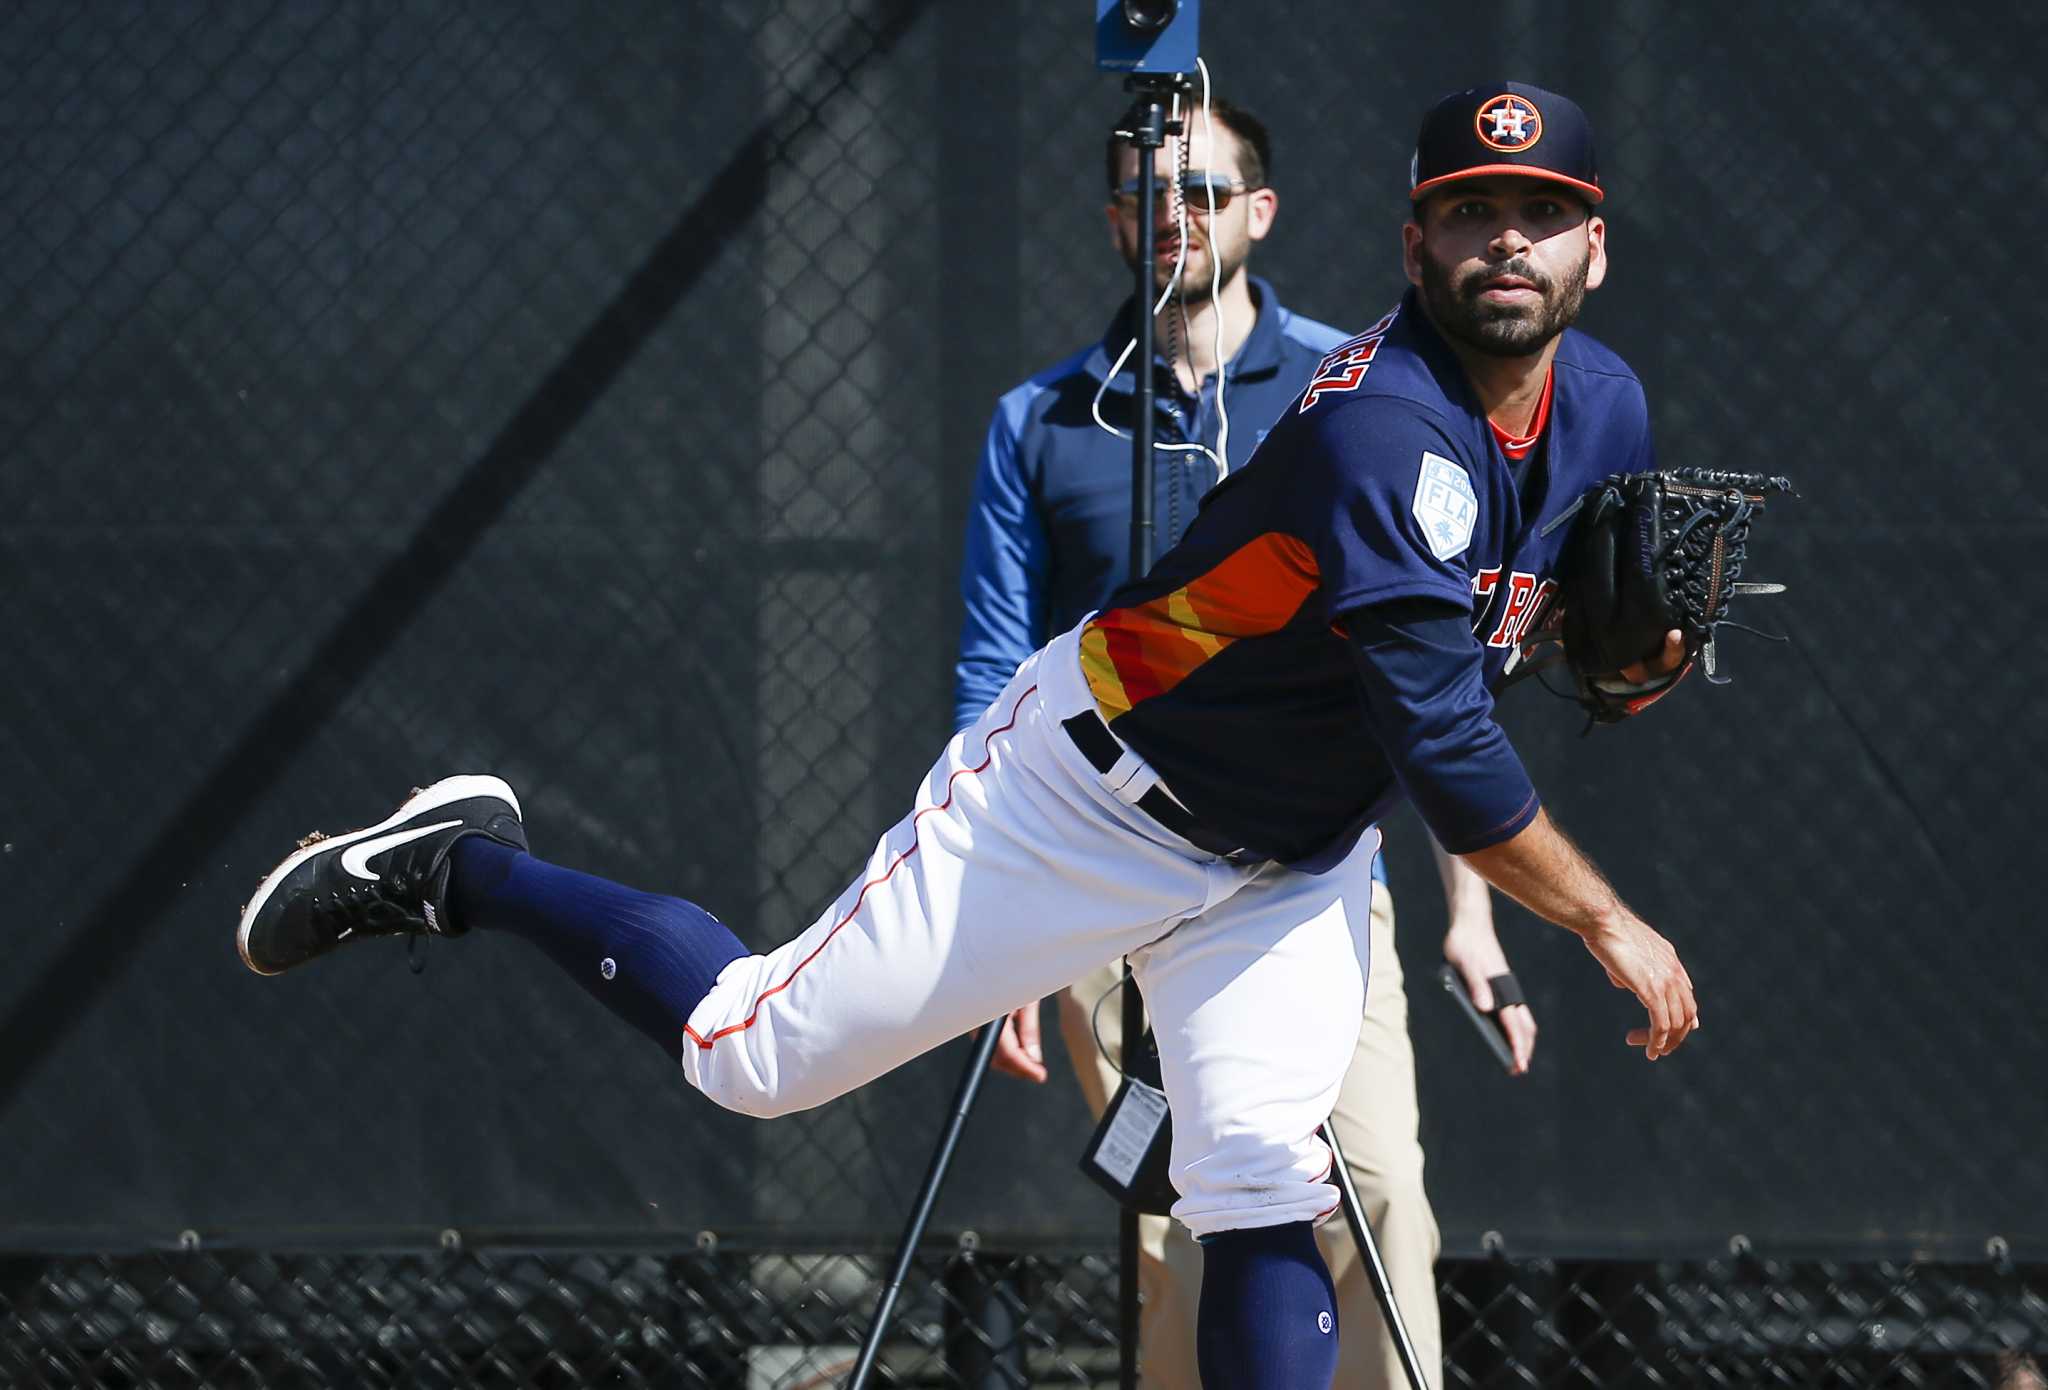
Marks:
<point>356,858</point>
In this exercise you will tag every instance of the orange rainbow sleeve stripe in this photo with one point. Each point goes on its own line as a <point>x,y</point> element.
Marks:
<point>1129,655</point>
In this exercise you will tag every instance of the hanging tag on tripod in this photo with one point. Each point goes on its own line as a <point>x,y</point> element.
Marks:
<point>1126,1155</point>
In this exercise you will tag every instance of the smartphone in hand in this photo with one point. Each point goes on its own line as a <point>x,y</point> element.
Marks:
<point>1488,1025</point>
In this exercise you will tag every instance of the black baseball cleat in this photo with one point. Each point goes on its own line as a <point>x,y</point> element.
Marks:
<point>390,879</point>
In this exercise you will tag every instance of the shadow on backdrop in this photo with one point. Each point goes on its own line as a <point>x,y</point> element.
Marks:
<point>92,958</point>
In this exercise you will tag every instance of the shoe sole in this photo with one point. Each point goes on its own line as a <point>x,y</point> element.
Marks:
<point>442,793</point>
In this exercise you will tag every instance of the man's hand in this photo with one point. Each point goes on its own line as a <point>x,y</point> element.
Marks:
<point>1664,663</point>
<point>1018,1052</point>
<point>1640,961</point>
<point>1474,950</point>
<point>1542,870</point>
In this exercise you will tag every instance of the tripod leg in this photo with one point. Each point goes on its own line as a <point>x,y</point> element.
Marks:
<point>1375,1268</point>
<point>1127,1218</point>
<point>927,1197</point>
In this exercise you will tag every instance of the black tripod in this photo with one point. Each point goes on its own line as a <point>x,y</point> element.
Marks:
<point>1146,129</point>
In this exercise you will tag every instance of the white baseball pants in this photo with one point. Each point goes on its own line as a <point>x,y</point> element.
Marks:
<point>1017,871</point>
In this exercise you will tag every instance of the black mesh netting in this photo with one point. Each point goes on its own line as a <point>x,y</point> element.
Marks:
<point>592,394</point>
<point>775,1320</point>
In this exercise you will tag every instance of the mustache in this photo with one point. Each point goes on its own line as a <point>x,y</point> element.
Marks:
<point>1520,269</point>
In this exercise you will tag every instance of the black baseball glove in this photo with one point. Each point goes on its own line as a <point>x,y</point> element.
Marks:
<point>1649,553</point>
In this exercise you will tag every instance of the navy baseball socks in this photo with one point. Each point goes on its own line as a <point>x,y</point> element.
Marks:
<point>649,959</point>
<point>454,857</point>
<point>1268,1313</point>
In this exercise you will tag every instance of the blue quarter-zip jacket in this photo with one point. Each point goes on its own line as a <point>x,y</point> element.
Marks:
<point>1048,533</point>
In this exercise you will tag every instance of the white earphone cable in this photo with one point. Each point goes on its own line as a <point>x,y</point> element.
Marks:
<point>1218,456</point>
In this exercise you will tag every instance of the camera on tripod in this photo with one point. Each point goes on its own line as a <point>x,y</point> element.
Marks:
<point>1146,36</point>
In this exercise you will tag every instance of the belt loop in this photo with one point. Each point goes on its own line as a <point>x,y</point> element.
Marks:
<point>1131,778</point>
<point>1136,783</point>
<point>1122,770</point>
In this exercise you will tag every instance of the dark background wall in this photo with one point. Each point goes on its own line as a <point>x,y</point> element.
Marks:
<point>591,394</point>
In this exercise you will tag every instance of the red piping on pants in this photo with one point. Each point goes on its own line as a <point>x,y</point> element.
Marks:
<point>988,757</point>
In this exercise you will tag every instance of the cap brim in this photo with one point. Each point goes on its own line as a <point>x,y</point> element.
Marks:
<point>1589,191</point>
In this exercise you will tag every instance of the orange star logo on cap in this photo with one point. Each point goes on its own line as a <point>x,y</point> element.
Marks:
<point>1508,123</point>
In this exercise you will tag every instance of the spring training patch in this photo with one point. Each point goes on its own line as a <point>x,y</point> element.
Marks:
<point>1445,505</point>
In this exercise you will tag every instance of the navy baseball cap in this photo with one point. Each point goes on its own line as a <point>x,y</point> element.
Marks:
<point>1505,128</point>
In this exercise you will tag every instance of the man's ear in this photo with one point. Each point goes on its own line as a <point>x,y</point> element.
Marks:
<point>1262,207</point>
<point>1411,252</point>
<point>1596,251</point>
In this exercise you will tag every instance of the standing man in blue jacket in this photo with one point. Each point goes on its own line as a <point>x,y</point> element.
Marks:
<point>1048,539</point>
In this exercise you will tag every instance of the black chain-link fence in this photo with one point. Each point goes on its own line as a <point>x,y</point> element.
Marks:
<point>592,393</point>
<point>724,1318</point>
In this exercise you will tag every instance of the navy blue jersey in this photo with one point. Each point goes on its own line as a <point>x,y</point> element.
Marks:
<point>1228,668</point>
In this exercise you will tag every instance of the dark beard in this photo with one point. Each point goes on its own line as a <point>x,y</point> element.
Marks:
<point>1194,286</point>
<point>1502,330</point>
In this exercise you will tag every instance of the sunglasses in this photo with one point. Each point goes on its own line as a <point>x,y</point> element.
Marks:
<point>1196,188</point>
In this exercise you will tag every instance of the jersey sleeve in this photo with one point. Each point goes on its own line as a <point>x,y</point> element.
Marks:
<point>1643,459</point>
<point>1003,575</point>
<point>1425,697</point>
<point>1385,501</point>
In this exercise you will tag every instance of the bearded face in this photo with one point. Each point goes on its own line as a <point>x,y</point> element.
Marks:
<point>1218,243</point>
<point>1503,266</point>
<point>1510,309</point>
<point>1227,240</point>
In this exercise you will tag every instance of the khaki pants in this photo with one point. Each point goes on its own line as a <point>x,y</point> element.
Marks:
<point>1376,1120</point>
